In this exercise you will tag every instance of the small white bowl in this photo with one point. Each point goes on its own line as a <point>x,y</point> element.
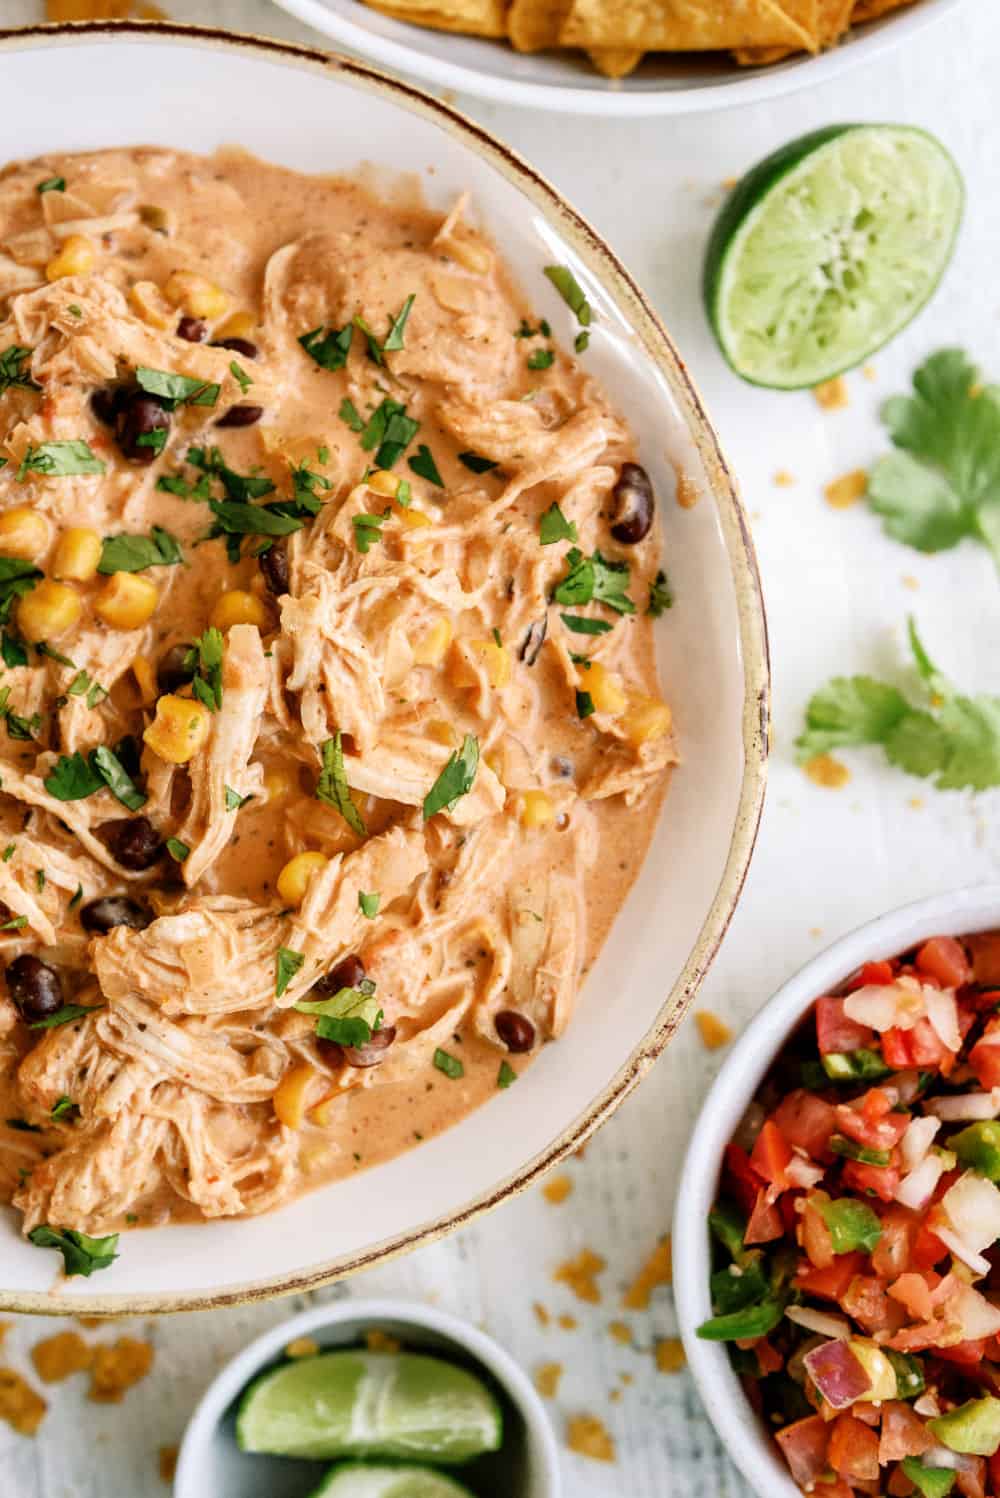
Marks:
<point>211,1463</point>
<point>744,1436</point>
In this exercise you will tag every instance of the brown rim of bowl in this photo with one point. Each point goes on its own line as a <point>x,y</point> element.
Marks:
<point>660,349</point>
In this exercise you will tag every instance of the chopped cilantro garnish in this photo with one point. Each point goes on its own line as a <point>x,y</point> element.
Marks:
<point>13,650</point>
<point>332,785</point>
<point>541,358</point>
<point>64,1016</point>
<point>176,389</point>
<point>81,1254</point>
<point>395,338</point>
<point>177,850</point>
<point>286,966</point>
<point>60,459</point>
<point>8,853</point>
<point>477,464</point>
<point>581,626</point>
<point>450,1065</point>
<point>595,578</point>
<point>75,898</point>
<point>236,518</point>
<point>367,530</point>
<point>51,184</point>
<point>156,439</point>
<point>424,466</point>
<point>16,923</point>
<point>349,1016</point>
<point>569,289</point>
<point>65,1108</point>
<point>368,904</point>
<point>240,376</point>
<point>11,374</point>
<point>390,430</point>
<point>661,595</point>
<point>17,727</point>
<point>455,780</point>
<point>554,526</point>
<point>205,658</point>
<point>238,486</point>
<point>349,413</point>
<point>506,1075</point>
<point>329,347</point>
<point>584,705</point>
<point>234,800</point>
<point>132,553</point>
<point>73,778</point>
<point>17,577</point>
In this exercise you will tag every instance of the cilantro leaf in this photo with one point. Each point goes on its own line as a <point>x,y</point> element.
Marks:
<point>943,483</point>
<point>395,339</point>
<point>569,289</point>
<point>425,467</point>
<point>368,904</point>
<point>581,626</point>
<point>595,578</point>
<point>455,780</point>
<point>61,459</point>
<point>205,657</point>
<point>541,358</point>
<point>65,1108</point>
<point>349,413</point>
<point>176,389</point>
<point>132,553</point>
<point>117,779</point>
<point>506,1076</point>
<point>240,376</point>
<point>390,430</point>
<point>332,785</point>
<point>850,710</point>
<point>553,526</point>
<point>286,966</point>
<point>349,1017</point>
<point>661,596</point>
<point>11,374</point>
<point>449,1064</point>
<point>328,346</point>
<point>51,184</point>
<point>240,487</point>
<point>584,705</point>
<point>13,650</point>
<point>367,530</point>
<point>234,800</point>
<point>64,1016</point>
<point>17,577</point>
<point>235,518</point>
<point>73,778</point>
<point>178,851</point>
<point>477,464</point>
<point>81,1254</point>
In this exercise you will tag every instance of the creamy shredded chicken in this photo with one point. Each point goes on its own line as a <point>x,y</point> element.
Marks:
<point>332,739</point>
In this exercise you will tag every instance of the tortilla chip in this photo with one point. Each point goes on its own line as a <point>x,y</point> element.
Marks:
<point>832,21</point>
<point>691,25</point>
<point>615,62</point>
<point>101,10</point>
<point>534,24</point>
<point>870,10</point>
<point>472,17</point>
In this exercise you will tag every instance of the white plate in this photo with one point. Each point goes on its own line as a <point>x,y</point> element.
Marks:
<point>172,85</point>
<point>566,81</point>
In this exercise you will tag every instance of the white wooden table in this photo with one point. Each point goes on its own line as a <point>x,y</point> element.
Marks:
<point>837,593</point>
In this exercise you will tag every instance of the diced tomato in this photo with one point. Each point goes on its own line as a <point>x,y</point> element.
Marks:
<point>871,974</point>
<point>944,958</point>
<point>928,1050</point>
<point>903,1433</point>
<point>807,1121</point>
<point>896,1049</point>
<point>984,948</point>
<point>984,1058</point>
<point>913,1293</point>
<point>971,1480</point>
<point>866,1302</point>
<point>993,1463</point>
<point>900,1485</point>
<point>765,1221</point>
<point>830,1283</point>
<point>816,1238</point>
<point>804,1445</point>
<point>965,1354</point>
<point>742,1181</point>
<point>891,1255</point>
<point>880,1180</point>
<point>771,1154</point>
<point>836,1033</point>
<point>928,1250</point>
<point>787,1205</point>
<point>873,1132</point>
<point>769,1359</point>
<point>853,1449</point>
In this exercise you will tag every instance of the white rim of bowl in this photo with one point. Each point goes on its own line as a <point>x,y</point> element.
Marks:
<point>240,1370</point>
<point>659,349</point>
<point>975,907</point>
<point>614,97</point>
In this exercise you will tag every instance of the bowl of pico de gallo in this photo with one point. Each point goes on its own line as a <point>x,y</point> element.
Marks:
<point>837,1227</point>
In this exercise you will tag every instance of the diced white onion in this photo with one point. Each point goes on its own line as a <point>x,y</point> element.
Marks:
<point>884,1006</point>
<point>916,1190</point>
<point>972,1207</point>
<point>961,1250</point>
<point>943,1456</point>
<point>837,1327</point>
<point>977,1316</point>
<point>943,1015</point>
<point>927,1405</point>
<point>803,1172</point>
<point>908,1085</point>
<point>966,1107</point>
<point>917,1141</point>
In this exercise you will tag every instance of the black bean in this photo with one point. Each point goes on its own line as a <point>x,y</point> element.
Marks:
<point>534,640</point>
<point>273,563</point>
<point>372,1053</point>
<point>132,841</point>
<point>114,910</point>
<point>241,416</point>
<point>238,346</point>
<point>516,1032</point>
<point>348,973</point>
<point>173,670</point>
<point>34,987</point>
<point>561,766</point>
<point>634,502</point>
<point>106,403</point>
<point>194,329</point>
<point>141,416</point>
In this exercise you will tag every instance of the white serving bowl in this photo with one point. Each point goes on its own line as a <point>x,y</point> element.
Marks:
<point>743,1434</point>
<point>567,82</point>
<point>211,1463</point>
<point>166,84</point>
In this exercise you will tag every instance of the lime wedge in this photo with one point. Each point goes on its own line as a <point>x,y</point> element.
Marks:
<point>350,1404</point>
<point>827,248</point>
<point>354,1480</point>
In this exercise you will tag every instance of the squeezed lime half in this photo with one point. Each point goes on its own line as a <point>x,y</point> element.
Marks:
<point>827,248</point>
<point>402,1406</point>
<point>356,1480</point>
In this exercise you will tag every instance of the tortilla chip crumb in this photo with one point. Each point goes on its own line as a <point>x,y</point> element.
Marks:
<point>913,583</point>
<point>688,492</point>
<point>844,492</point>
<point>620,1330</point>
<point>870,372</point>
<point>303,1347</point>
<point>815,932</point>
<point>541,1314</point>
<point>557,1190</point>
<point>117,1367</point>
<point>615,1396</point>
<point>167,1463</point>
<point>60,1356</point>
<point>378,1341</point>
<point>580,1275</point>
<point>657,1270</point>
<point>916,803</point>
<point>783,479</point>
<point>729,183</point>
<point>89,1322</point>
<point>626,1378</point>
<point>101,10</point>
<point>714,1032</point>
<point>20,1405</point>
<point>832,394</point>
<point>670,1355</point>
<point>568,1323</point>
<point>547,1379</point>
<point>826,771</point>
<point>588,1436</point>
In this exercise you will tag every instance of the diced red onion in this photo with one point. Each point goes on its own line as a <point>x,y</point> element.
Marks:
<point>908,1085</point>
<point>838,1374</point>
<point>837,1327</point>
<point>966,1107</point>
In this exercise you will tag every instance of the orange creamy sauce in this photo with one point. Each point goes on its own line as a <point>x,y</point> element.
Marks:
<point>463,374</point>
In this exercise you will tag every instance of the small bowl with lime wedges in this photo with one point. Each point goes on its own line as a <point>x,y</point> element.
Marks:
<point>370,1399</point>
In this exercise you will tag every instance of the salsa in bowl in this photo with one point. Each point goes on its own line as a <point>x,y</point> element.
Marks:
<point>852,1276</point>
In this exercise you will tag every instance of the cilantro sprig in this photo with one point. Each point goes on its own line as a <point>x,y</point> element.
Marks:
<point>332,785</point>
<point>81,1254</point>
<point>134,553</point>
<point>455,780</point>
<point>948,738</point>
<point>595,579</point>
<point>205,660</point>
<point>12,375</point>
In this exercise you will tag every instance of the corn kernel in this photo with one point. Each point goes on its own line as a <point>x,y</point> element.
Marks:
<point>290,1098</point>
<point>442,732</point>
<point>179,729</point>
<point>24,533</point>
<point>383,482</point>
<point>127,601</point>
<point>239,325</point>
<point>536,809</point>
<point>195,294</point>
<point>646,718</point>
<point>145,679</point>
<point>493,657</point>
<point>604,687</point>
<point>77,257</point>
<point>411,519</point>
<point>238,607</point>
<point>325,1112</point>
<point>49,611</point>
<point>149,302</point>
<point>78,552</point>
<point>293,881</point>
<point>431,647</point>
<point>279,786</point>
